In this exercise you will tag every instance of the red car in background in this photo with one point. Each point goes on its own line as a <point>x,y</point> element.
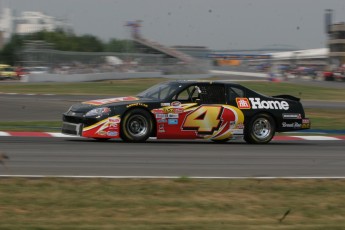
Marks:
<point>338,74</point>
<point>21,71</point>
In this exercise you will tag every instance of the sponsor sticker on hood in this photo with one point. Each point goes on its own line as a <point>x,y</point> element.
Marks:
<point>110,100</point>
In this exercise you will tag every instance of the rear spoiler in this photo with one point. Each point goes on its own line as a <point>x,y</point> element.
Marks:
<point>289,97</point>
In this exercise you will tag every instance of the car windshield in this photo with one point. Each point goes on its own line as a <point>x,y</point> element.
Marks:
<point>160,91</point>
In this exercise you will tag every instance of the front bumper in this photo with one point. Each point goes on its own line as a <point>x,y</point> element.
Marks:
<point>72,129</point>
<point>76,124</point>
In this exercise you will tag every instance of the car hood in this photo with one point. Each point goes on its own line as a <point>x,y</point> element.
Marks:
<point>110,100</point>
<point>88,105</point>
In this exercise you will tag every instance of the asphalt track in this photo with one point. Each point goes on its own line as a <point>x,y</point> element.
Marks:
<point>86,157</point>
<point>155,158</point>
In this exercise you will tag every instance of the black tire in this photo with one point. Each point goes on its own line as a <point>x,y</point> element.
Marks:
<point>101,139</point>
<point>260,129</point>
<point>136,126</point>
<point>221,141</point>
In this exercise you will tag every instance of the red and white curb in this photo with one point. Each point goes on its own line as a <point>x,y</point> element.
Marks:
<point>32,134</point>
<point>276,138</point>
<point>309,138</point>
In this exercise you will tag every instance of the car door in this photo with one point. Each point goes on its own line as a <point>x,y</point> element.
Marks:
<point>199,111</point>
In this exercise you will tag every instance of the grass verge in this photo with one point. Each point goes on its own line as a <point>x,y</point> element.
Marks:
<point>171,204</point>
<point>38,126</point>
<point>300,91</point>
<point>326,118</point>
<point>114,88</point>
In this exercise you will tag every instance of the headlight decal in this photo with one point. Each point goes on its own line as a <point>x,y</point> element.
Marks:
<point>98,112</point>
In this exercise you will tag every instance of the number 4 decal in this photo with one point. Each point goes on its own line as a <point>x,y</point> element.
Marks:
<point>204,119</point>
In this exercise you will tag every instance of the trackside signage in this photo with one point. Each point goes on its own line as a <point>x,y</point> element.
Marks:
<point>257,103</point>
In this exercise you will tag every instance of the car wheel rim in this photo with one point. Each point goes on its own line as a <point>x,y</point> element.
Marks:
<point>137,125</point>
<point>261,128</point>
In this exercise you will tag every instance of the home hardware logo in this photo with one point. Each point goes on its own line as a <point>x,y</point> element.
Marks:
<point>258,104</point>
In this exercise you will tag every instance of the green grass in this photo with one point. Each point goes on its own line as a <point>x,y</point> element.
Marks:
<point>134,86</point>
<point>44,126</point>
<point>326,118</point>
<point>300,91</point>
<point>150,204</point>
<point>115,88</point>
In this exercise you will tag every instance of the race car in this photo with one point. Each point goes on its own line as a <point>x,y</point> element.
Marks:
<point>214,110</point>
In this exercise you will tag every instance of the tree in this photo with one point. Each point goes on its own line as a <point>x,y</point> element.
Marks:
<point>64,41</point>
<point>120,46</point>
<point>89,43</point>
<point>9,54</point>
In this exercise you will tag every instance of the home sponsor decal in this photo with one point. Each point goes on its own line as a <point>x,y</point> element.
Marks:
<point>257,103</point>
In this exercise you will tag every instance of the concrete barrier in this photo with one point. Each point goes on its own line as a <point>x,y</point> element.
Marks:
<point>247,74</point>
<point>47,77</point>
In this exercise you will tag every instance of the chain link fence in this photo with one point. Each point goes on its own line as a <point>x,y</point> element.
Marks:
<point>40,54</point>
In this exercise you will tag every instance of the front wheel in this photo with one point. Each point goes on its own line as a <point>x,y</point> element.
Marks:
<point>260,129</point>
<point>136,126</point>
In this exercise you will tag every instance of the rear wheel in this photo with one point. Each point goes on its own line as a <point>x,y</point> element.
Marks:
<point>260,129</point>
<point>136,126</point>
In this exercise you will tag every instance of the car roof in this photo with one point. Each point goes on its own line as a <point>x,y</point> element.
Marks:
<point>190,82</point>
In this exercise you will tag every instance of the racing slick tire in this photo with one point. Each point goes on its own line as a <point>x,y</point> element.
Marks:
<point>260,129</point>
<point>136,126</point>
<point>101,139</point>
<point>221,141</point>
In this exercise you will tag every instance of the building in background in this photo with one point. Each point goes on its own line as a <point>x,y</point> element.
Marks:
<point>28,22</point>
<point>336,40</point>
<point>336,43</point>
<point>31,22</point>
<point>6,25</point>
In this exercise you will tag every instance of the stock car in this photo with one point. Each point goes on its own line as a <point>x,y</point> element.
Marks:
<point>183,109</point>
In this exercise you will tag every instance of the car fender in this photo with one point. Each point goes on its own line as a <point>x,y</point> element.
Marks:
<point>146,108</point>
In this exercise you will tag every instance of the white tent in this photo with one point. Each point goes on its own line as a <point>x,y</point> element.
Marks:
<point>112,60</point>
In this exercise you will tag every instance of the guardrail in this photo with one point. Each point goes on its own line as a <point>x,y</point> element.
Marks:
<point>46,77</point>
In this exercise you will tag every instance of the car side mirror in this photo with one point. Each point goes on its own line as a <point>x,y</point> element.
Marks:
<point>198,101</point>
